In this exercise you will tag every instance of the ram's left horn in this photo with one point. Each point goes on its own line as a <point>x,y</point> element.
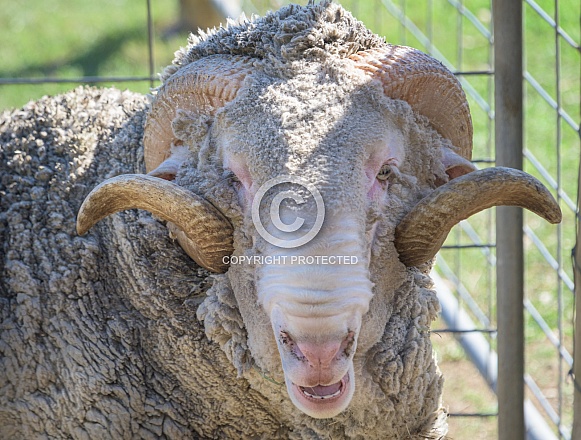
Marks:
<point>206,235</point>
<point>421,233</point>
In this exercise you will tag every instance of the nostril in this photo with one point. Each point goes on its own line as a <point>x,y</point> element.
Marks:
<point>347,344</point>
<point>285,339</point>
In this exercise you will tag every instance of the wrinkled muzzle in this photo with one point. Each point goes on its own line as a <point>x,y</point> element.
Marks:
<point>315,290</point>
<point>316,313</point>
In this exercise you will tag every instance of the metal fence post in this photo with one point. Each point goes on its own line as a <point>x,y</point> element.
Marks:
<point>508,98</point>
<point>577,348</point>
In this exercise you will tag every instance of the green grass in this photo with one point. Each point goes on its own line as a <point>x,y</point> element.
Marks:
<point>62,39</point>
<point>464,391</point>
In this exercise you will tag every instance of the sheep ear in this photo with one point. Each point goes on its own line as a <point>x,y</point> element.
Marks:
<point>168,169</point>
<point>455,165</point>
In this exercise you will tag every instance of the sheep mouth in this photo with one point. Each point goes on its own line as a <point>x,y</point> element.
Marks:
<point>323,401</point>
<point>325,392</point>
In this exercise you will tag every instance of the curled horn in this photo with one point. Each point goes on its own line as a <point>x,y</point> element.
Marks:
<point>202,86</point>
<point>203,232</point>
<point>426,85</point>
<point>421,233</point>
<point>208,231</point>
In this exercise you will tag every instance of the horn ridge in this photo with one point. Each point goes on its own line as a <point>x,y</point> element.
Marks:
<point>426,85</point>
<point>202,86</point>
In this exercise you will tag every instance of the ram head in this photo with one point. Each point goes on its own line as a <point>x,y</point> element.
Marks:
<point>311,126</point>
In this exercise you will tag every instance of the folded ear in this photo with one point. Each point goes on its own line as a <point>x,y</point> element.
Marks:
<point>168,169</point>
<point>455,165</point>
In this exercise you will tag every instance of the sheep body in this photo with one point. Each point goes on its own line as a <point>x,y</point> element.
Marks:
<point>119,334</point>
<point>100,332</point>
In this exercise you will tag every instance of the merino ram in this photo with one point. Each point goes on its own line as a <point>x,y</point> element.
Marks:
<point>119,334</point>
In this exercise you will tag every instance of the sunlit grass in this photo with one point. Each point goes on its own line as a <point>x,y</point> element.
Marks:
<point>61,39</point>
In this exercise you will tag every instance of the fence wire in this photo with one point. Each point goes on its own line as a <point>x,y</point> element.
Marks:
<point>459,33</point>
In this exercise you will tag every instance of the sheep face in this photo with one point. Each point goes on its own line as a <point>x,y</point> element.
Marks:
<point>343,137</point>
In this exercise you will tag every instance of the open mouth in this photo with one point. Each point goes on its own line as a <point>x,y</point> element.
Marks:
<point>323,401</point>
<point>325,392</point>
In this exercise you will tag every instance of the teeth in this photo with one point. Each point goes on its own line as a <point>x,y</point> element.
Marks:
<point>328,396</point>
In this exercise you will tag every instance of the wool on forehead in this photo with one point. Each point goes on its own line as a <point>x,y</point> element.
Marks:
<point>312,114</point>
<point>315,31</point>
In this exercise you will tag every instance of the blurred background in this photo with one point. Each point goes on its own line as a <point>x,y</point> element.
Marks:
<point>50,46</point>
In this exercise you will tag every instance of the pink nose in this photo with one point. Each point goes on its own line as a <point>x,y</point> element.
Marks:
<point>319,355</point>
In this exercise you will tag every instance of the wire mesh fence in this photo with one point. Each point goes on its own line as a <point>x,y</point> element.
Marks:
<point>128,50</point>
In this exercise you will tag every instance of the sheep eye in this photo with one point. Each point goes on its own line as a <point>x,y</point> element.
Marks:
<point>385,173</point>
